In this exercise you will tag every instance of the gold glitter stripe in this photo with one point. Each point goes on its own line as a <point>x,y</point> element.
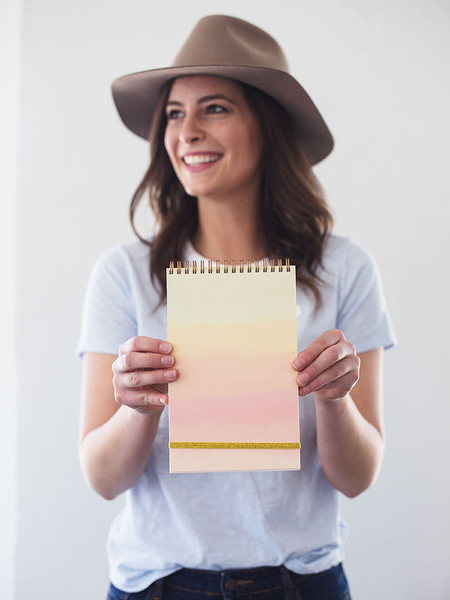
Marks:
<point>237,445</point>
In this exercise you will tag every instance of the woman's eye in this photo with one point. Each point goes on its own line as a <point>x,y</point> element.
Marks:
<point>174,114</point>
<point>215,109</point>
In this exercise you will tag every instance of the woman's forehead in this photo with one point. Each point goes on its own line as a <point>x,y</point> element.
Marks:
<point>204,85</point>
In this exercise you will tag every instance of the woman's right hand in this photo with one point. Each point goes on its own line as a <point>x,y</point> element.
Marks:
<point>142,371</point>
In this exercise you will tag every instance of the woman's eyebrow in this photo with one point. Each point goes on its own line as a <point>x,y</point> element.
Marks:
<point>215,97</point>
<point>203,99</point>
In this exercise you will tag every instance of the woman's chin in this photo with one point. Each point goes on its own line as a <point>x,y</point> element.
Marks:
<point>198,191</point>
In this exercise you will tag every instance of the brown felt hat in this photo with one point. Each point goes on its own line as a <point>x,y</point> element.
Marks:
<point>227,47</point>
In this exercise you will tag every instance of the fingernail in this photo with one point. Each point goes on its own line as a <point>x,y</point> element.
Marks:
<point>162,400</point>
<point>304,391</point>
<point>167,360</point>
<point>169,374</point>
<point>165,347</point>
<point>298,363</point>
<point>302,379</point>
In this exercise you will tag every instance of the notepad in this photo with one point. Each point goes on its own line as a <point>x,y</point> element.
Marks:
<point>234,406</point>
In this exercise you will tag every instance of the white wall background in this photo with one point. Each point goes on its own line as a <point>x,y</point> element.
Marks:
<point>378,71</point>
<point>10,59</point>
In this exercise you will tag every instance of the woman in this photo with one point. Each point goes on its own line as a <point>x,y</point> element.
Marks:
<point>233,137</point>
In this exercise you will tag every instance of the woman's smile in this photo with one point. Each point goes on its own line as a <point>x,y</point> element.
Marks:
<point>198,161</point>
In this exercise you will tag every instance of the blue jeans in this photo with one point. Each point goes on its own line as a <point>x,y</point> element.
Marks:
<point>265,583</point>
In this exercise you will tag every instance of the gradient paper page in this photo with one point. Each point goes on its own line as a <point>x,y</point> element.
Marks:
<point>235,404</point>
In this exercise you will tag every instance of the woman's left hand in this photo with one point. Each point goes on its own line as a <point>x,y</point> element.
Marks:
<point>329,367</point>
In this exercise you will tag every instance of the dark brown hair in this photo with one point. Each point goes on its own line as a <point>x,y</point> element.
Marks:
<point>294,219</point>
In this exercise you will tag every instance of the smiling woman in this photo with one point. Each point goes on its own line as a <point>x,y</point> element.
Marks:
<point>233,138</point>
<point>291,215</point>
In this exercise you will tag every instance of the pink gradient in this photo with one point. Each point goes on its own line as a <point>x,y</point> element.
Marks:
<point>258,417</point>
<point>223,374</point>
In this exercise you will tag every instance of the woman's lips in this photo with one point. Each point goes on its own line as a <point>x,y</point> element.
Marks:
<point>200,160</point>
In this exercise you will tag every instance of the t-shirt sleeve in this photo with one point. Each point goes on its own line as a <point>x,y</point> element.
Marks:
<point>108,314</point>
<point>362,313</point>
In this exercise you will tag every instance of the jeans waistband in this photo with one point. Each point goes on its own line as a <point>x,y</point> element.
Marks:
<point>233,580</point>
<point>263,583</point>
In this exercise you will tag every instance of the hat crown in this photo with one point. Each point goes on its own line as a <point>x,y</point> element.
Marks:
<point>224,40</point>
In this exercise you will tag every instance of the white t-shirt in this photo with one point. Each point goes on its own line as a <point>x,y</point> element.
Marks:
<point>220,521</point>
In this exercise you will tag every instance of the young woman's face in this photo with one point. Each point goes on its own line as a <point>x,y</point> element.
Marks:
<point>213,138</point>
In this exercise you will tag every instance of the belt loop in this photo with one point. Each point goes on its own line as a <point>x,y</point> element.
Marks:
<point>156,590</point>
<point>289,592</point>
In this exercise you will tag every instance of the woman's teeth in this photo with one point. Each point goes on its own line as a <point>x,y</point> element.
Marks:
<point>200,159</point>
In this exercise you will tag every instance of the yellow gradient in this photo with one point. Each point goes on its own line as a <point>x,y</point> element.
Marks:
<point>230,297</point>
<point>274,336</point>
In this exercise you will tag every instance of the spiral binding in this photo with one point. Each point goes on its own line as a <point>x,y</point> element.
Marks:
<point>271,267</point>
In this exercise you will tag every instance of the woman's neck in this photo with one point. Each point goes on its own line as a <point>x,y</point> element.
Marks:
<point>228,230</point>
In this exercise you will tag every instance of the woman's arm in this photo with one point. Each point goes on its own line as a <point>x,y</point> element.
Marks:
<point>120,415</point>
<point>350,432</point>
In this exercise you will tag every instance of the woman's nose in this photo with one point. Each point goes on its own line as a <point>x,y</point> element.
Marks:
<point>191,130</point>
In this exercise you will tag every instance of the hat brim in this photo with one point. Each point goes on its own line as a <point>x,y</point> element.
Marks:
<point>136,96</point>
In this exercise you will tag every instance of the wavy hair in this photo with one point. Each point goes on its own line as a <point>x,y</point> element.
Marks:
<point>293,217</point>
